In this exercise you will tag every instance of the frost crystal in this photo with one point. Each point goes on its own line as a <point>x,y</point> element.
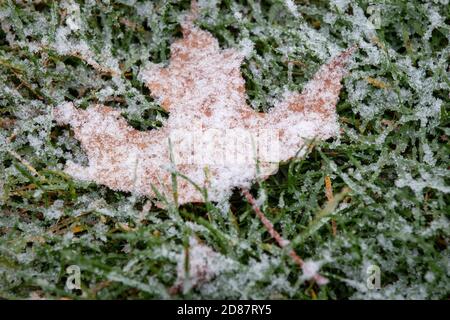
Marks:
<point>204,264</point>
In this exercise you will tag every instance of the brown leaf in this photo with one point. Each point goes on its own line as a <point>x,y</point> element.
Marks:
<point>77,229</point>
<point>211,128</point>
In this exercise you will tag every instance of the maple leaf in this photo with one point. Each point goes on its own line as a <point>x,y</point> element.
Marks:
<point>216,139</point>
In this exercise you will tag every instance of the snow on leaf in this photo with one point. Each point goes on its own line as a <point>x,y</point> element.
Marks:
<point>212,136</point>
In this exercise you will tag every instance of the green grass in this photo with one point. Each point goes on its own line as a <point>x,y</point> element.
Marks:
<point>393,154</point>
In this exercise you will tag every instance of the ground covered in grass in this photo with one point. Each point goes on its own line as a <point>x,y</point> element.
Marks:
<point>392,155</point>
